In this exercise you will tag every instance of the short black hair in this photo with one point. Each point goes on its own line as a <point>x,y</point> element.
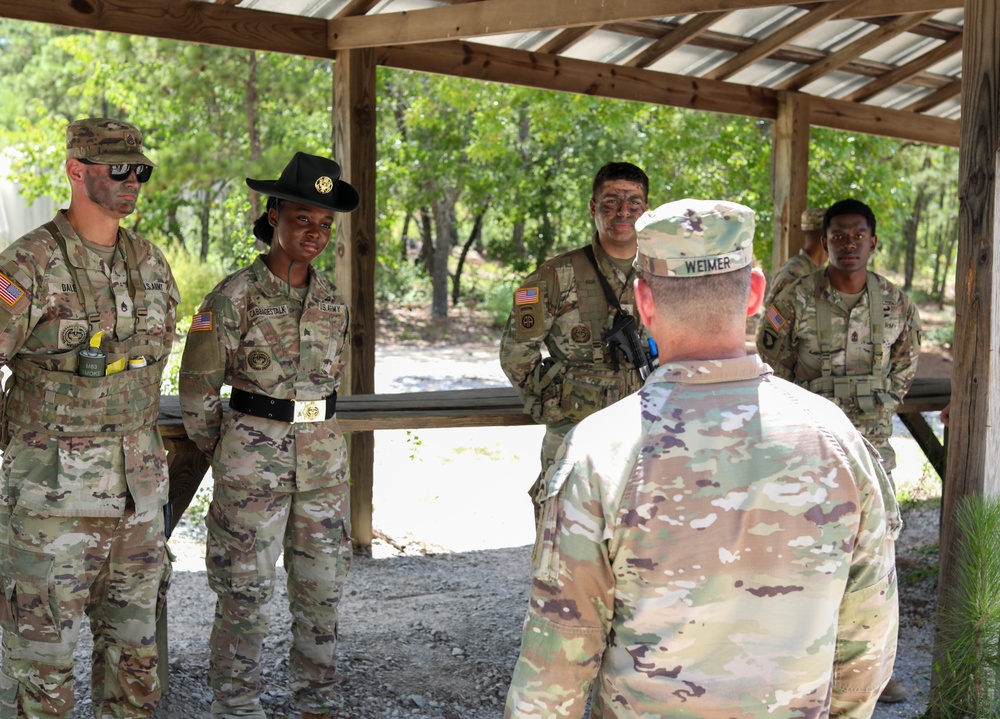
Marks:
<point>849,207</point>
<point>621,171</point>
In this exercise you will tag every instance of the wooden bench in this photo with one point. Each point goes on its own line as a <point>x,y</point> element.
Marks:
<point>496,407</point>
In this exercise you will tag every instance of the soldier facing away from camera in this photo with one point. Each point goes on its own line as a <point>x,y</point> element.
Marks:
<point>86,325</point>
<point>720,543</point>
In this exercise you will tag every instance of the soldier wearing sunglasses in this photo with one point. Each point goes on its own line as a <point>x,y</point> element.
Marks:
<point>84,473</point>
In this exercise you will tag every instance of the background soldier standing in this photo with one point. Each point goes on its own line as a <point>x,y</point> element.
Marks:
<point>84,474</point>
<point>721,543</point>
<point>275,331</point>
<point>564,306</point>
<point>848,334</point>
<point>810,258</point>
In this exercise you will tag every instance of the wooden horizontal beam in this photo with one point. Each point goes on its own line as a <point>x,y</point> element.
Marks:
<point>485,62</point>
<point>870,120</point>
<point>888,8</point>
<point>498,17</point>
<point>196,22</point>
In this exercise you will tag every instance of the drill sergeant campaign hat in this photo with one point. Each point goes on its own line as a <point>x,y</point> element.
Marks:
<point>812,219</point>
<point>311,180</point>
<point>105,141</point>
<point>691,238</point>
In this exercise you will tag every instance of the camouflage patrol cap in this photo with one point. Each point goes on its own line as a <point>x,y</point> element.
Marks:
<point>812,219</point>
<point>105,141</point>
<point>691,238</point>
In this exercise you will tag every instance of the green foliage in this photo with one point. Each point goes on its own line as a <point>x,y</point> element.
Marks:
<point>195,278</point>
<point>168,382</point>
<point>968,680</point>
<point>449,150</point>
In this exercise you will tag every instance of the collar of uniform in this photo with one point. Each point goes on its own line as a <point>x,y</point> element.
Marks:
<point>711,371</point>
<point>832,295</point>
<point>78,254</point>
<point>271,286</point>
<point>604,261</point>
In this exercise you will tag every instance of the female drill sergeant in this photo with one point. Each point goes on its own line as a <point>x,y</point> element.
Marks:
<point>275,331</point>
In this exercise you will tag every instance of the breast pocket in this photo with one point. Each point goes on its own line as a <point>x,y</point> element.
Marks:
<point>260,357</point>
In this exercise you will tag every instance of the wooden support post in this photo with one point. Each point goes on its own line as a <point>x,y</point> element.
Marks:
<point>974,438</point>
<point>354,149</point>
<point>789,175</point>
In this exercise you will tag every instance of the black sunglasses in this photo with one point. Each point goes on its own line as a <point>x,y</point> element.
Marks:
<point>120,172</point>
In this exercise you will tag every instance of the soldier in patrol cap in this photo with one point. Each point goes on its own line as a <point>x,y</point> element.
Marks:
<point>568,306</point>
<point>275,331</point>
<point>848,334</point>
<point>84,475</point>
<point>720,543</point>
<point>810,258</point>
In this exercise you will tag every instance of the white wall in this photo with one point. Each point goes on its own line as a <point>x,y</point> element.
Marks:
<point>16,216</point>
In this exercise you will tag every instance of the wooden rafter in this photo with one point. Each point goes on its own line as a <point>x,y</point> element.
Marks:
<point>680,35</point>
<point>496,17</point>
<point>852,51</point>
<point>777,40</point>
<point>948,92</point>
<point>564,40</point>
<point>907,71</point>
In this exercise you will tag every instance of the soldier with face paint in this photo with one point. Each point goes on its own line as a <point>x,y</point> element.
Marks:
<point>566,307</point>
<point>275,331</point>
<point>84,474</point>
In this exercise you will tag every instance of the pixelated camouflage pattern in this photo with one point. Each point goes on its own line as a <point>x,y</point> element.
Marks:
<point>57,569</point>
<point>691,238</point>
<point>720,544</point>
<point>812,219</point>
<point>101,139</point>
<point>266,341</point>
<point>794,353</point>
<point>275,482</point>
<point>246,529</point>
<point>583,382</point>
<point>792,271</point>
<point>48,470</point>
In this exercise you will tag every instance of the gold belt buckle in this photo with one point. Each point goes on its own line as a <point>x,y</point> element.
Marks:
<point>312,410</point>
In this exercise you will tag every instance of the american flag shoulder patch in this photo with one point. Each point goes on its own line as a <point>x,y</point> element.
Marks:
<point>775,318</point>
<point>201,322</point>
<point>526,296</point>
<point>9,292</point>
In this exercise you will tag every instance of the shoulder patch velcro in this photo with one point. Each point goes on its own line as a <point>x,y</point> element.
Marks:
<point>201,322</point>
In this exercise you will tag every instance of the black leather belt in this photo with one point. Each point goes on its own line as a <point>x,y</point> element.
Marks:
<point>283,410</point>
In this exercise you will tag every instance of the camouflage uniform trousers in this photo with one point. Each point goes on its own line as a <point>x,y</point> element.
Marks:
<point>56,569</point>
<point>247,530</point>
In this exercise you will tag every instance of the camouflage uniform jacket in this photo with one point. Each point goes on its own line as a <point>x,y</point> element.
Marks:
<point>788,339</point>
<point>792,271</point>
<point>260,338</point>
<point>80,446</point>
<point>719,544</point>
<point>552,308</point>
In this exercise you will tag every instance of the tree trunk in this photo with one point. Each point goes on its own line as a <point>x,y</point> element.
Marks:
<point>443,208</point>
<point>474,236</point>
<point>404,249</point>
<point>910,237</point>
<point>253,135</point>
<point>426,240</point>
<point>204,218</point>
